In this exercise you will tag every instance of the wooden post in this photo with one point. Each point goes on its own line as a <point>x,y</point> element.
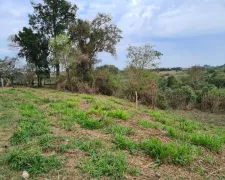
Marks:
<point>136,99</point>
<point>2,82</point>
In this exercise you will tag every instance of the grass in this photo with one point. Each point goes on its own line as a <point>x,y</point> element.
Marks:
<point>32,123</point>
<point>119,130</point>
<point>33,161</point>
<point>104,163</point>
<point>172,153</point>
<point>147,124</point>
<point>44,129</point>
<point>120,114</point>
<point>125,143</point>
<point>84,144</point>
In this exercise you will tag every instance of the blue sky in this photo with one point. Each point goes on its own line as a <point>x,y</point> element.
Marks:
<point>187,32</point>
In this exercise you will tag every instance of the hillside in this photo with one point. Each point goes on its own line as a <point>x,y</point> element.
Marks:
<point>60,135</point>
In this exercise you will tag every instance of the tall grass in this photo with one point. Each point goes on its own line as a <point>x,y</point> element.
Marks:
<point>170,152</point>
<point>32,161</point>
<point>119,130</point>
<point>104,163</point>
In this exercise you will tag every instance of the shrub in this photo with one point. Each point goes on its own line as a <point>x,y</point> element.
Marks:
<point>190,94</point>
<point>161,101</point>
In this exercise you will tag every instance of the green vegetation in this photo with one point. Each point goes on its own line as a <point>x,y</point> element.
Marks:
<point>105,163</point>
<point>51,132</point>
<point>32,160</point>
<point>125,143</point>
<point>170,152</point>
<point>119,130</point>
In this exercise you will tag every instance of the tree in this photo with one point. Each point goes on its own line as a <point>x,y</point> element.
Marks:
<point>64,53</point>
<point>8,69</point>
<point>99,35</point>
<point>139,79</point>
<point>52,18</point>
<point>143,57</point>
<point>110,68</point>
<point>196,76</point>
<point>34,47</point>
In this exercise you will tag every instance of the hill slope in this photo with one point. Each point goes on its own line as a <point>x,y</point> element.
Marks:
<point>59,135</point>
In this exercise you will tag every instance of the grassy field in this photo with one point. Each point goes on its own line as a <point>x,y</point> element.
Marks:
<point>60,135</point>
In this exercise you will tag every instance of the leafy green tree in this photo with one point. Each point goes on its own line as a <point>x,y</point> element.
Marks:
<point>52,18</point>
<point>143,57</point>
<point>34,47</point>
<point>196,76</point>
<point>173,82</point>
<point>110,68</point>
<point>92,37</point>
<point>65,54</point>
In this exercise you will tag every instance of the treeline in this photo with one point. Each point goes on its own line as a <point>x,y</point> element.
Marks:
<point>199,87</point>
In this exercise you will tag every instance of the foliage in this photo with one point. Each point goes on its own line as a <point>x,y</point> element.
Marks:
<point>143,56</point>
<point>161,101</point>
<point>52,18</point>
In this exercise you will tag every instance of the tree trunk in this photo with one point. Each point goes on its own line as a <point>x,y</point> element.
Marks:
<point>2,82</point>
<point>57,69</point>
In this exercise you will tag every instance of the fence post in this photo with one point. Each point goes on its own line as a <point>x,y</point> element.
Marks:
<point>136,99</point>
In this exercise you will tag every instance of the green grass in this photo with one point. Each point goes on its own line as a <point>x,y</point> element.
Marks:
<point>120,114</point>
<point>125,143</point>
<point>172,153</point>
<point>32,123</point>
<point>84,144</point>
<point>147,124</point>
<point>45,100</point>
<point>119,130</point>
<point>117,101</point>
<point>32,160</point>
<point>104,163</point>
<point>211,142</point>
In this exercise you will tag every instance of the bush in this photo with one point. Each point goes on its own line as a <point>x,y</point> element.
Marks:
<point>161,101</point>
<point>190,94</point>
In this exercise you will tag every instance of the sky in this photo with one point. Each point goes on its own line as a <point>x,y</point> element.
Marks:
<point>187,32</point>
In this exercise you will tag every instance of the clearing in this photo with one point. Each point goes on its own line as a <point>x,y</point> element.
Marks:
<point>60,135</point>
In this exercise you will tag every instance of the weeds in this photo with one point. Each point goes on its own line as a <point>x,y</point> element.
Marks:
<point>125,143</point>
<point>113,165</point>
<point>170,152</point>
<point>147,124</point>
<point>212,142</point>
<point>120,114</point>
<point>32,160</point>
<point>134,171</point>
<point>119,130</point>
<point>84,144</point>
